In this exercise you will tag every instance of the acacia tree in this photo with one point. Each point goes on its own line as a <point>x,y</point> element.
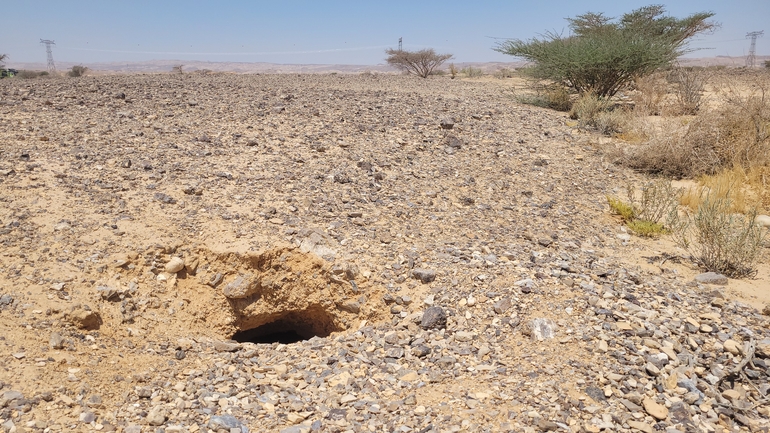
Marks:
<point>602,55</point>
<point>2,57</point>
<point>420,63</point>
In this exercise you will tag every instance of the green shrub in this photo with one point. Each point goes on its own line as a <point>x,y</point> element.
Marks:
<point>472,72</point>
<point>504,73</point>
<point>658,199</point>
<point>647,229</point>
<point>601,55</point>
<point>649,215</point>
<point>452,70</point>
<point>618,207</point>
<point>722,241</point>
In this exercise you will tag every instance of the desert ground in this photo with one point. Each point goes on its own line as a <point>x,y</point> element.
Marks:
<point>344,253</point>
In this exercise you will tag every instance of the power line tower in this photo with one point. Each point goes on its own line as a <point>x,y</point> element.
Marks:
<point>48,43</point>
<point>752,57</point>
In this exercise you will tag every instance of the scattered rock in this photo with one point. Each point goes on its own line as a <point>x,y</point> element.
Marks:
<point>540,329</point>
<point>711,278</point>
<point>224,422</point>
<point>763,220</point>
<point>657,411</point>
<point>424,275</point>
<point>350,306</point>
<point>242,286</point>
<point>502,306</point>
<point>174,265</point>
<point>433,318</point>
<point>83,317</point>
<point>156,416</point>
<point>226,346</point>
<point>56,341</point>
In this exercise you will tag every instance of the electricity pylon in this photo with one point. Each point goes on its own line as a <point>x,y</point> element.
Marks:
<point>48,43</point>
<point>752,57</point>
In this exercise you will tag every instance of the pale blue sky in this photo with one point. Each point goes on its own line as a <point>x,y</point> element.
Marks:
<point>331,31</point>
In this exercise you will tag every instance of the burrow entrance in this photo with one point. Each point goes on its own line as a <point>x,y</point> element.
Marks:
<point>288,327</point>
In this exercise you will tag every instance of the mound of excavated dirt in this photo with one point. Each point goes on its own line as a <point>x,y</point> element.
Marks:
<point>297,253</point>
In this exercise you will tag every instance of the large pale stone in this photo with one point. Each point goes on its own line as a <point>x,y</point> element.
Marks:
<point>174,265</point>
<point>657,411</point>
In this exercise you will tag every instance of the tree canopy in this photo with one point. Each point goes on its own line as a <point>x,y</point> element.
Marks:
<point>603,54</point>
<point>420,63</point>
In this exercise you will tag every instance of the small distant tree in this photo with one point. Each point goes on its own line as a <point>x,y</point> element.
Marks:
<point>77,71</point>
<point>177,69</point>
<point>420,63</point>
<point>602,55</point>
<point>3,57</point>
<point>452,70</point>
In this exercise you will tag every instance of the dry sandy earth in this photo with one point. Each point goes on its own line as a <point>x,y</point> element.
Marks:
<point>147,220</point>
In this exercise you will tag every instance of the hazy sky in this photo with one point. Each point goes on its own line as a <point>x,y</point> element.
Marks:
<point>323,31</point>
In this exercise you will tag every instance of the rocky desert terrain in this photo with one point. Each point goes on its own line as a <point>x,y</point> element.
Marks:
<point>342,253</point>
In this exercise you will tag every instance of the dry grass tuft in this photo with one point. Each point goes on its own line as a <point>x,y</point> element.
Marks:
<point>728,184</point>
<point>599,113</point>
<point>650,95</point>
<point>551,96</point>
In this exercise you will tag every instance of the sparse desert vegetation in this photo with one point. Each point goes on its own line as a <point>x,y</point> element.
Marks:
<point>440,250</point>
<point>259,228</point>
<point>77,71</point>
<point>681,122</point>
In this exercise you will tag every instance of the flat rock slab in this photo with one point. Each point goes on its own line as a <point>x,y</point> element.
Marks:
<point>711,278</point>
<point>657,411</point>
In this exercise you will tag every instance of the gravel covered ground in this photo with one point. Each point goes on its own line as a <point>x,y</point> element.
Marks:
<point>443,254</point>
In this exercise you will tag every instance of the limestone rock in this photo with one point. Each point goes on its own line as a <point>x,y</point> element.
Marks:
<point>174,265</point>
<point>84,317</point>
<point>763,220</point>
<point>242,286</point>
<point>540,329</point>
<point>657,411</point>
<point>191,264</point>
<point>502,305</point>
<point>711,278</point>
<point>733,347</point>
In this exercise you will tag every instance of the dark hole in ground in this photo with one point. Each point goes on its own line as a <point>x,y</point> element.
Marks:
<point>263,336</point>
<point>292,327</point>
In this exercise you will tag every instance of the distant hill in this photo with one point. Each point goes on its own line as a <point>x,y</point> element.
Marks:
<point>161,66</point>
